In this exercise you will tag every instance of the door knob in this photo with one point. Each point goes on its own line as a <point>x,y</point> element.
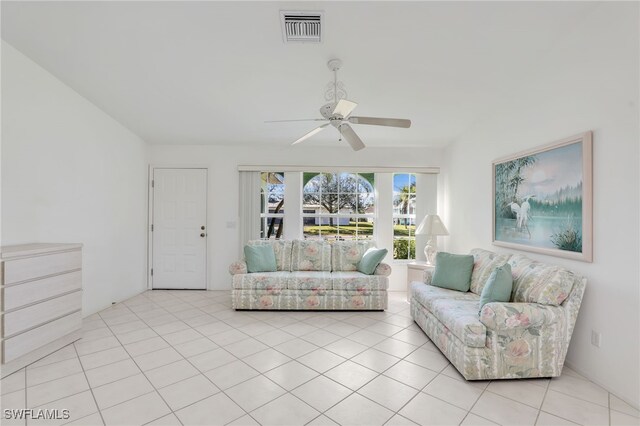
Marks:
<point>202,227</point>
<point>203,235</point>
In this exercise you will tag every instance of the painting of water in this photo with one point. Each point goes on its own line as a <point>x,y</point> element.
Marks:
<point>543,199</point>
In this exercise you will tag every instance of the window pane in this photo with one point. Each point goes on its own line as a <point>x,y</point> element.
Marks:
<point>271,227</point>
<point>365,229</point>
<point>271,202</point>
<point>333,199</point>
<point>366,203</point>
<point>404,227</point>
<point>404,248</point>
<point>347,182</point>
<point>348,203</point>
<point>329,203</point>
<point>404,211</point>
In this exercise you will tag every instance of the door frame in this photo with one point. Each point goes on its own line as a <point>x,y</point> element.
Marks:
<point>151,169</point>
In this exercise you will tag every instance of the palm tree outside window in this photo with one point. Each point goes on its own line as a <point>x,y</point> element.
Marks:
<point>404,216</point>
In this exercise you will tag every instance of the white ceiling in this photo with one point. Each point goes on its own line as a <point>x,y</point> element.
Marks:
<point>213,72</point>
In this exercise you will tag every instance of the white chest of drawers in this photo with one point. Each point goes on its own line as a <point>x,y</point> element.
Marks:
<point>40,301</point>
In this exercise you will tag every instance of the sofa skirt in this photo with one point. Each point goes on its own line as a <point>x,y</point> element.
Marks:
<point>330,300</point>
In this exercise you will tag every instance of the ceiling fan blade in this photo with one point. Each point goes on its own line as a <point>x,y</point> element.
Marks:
<point>311,133</point>
<point>378,121</point>
<point>351,137</point>
<point>344,108</point>
<point>302,119</point>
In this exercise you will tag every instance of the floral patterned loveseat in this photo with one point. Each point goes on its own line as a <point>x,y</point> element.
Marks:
<point>311,275</point>
<point>526,337</point>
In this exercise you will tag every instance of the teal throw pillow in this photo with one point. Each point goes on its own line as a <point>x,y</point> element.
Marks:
<point>260,258</point>
<point>453,271</point>
<point>371,260</point>
<point>498,287</point>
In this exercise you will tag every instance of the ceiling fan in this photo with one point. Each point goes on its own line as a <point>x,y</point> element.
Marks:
<point>337,113</point>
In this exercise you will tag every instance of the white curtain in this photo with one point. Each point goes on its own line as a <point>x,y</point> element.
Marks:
<point>249,208</point>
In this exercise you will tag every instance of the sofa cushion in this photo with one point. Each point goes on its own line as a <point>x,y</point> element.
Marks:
<point>536,282</point>
<point>427,294</point>
<point>484,262</point>
<point>282,250</point>
<point>311,255</point>
<point>261,280</point>
<point>345,255</point>
<point>498,287</point>
<point>260,258</point>
<point>317,281</point>
<point>371,259</point>
<point>453,271</point>
<point>461,318</point>
<point>358,282</point>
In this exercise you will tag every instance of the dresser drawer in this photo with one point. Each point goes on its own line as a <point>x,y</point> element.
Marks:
<point>26,342</point>
<point>40,313</point>
<point>16,296</point>
<point>18,270</point>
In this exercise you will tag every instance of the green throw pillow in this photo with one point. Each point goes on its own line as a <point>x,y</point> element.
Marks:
<point>498,287</point>
<point>453,271</point>
<point>371,260</point>
<point>260,258</point>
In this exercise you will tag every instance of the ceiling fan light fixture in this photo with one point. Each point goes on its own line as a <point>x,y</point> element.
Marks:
<point>338,113</point>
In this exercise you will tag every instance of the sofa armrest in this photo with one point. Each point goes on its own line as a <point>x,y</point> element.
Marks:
<point>501,316</point>
<point>239,267</point>
<point>383,269</point>
<point>427,275</point>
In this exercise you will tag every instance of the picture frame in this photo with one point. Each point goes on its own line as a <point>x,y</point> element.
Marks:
<point>543,199</point>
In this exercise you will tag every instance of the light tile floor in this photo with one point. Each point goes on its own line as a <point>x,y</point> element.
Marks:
<point>185,357</point>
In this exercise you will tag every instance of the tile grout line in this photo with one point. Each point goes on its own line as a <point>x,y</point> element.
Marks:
<point>90,388</point>
<point>263,373</point>
<point>26,403</point>
<point>299,337</point>
<point>142,372</point>
<point>251,319</point>
<point>201,373</point>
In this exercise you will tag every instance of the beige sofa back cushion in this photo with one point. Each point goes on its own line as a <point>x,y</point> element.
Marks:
<point>281,248</point>
<point>345,255</point>
<point>536,282</point>
<point>311,255</point>
<point>484,262</point>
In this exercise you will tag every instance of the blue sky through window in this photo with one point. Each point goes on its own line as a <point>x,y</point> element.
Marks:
<point>401,180</point>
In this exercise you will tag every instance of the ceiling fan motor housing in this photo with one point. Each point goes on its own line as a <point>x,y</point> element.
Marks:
<point>334,119</point>
<point>327,112</point>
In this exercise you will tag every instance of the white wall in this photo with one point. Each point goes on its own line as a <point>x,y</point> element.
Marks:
<point>223,206</point>
<point>70,173</point>
<point>594,86</point>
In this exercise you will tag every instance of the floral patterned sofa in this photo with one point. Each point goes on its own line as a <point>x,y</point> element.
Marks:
<point>311,275</point>
<point>527,337</point>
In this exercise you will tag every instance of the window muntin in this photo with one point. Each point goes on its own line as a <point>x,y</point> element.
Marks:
<point>338,206</point>
<point>404,216</point>
<point>272,204</point>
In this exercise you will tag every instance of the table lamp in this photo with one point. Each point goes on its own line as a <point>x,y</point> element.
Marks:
<point>431,226</point>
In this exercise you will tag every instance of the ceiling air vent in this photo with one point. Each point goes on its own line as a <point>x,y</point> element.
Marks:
<point>301,26</point>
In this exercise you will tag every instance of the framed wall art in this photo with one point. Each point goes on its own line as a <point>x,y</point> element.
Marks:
<point>542,199</point>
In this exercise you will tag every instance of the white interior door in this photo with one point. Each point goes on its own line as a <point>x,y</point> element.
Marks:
<point>179,229</point>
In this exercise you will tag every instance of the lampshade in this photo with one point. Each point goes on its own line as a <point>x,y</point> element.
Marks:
<point>432,225</point>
